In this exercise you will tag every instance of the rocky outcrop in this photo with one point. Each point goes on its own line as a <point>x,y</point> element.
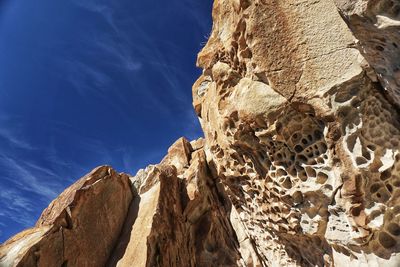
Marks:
<point>79,228</point>
<point>299,165</point>
<point>183,218</point>
<point>376,26</point>
<point>300,121</point>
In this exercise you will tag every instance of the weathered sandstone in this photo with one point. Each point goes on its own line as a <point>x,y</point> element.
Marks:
<point>78,228</point>
<point>299,165</point>
<point>303,136</point>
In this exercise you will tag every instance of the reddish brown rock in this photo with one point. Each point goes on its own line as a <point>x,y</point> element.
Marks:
<point>79,228</point>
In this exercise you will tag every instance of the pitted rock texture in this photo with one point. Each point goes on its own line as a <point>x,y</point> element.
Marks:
<point>376,25</point>
<point>299,165</point>
<point>303,134</point>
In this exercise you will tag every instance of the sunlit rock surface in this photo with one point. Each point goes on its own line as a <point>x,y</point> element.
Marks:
<point>78,228</point>
<point>299,165</point>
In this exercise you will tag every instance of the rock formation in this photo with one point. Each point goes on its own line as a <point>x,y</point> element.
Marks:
<point>299,166</point>
<point>78,227</point>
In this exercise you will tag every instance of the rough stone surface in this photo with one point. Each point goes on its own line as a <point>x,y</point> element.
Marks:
<point>79,228</point>
<point>299,164</point>
<point>312,169</point>
<point>183,219</point>
<point>376,25</point>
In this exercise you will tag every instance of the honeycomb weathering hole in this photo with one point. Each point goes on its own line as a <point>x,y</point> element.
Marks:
<point>386,240</point>
<point>394,229</point>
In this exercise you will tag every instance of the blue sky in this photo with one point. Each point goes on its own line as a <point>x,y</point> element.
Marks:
<point>87,83</point>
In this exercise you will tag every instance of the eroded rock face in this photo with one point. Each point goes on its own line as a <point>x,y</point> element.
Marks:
<point>183,219</point>
<point>303,135</point>
<point>376,25</point>
<point>79,228</point>
<point>299,165</point>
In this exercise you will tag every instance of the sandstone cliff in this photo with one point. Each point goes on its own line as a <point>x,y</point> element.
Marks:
<point>299,102</point>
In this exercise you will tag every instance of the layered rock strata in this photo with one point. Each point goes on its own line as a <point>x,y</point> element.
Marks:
<point>299,165</point>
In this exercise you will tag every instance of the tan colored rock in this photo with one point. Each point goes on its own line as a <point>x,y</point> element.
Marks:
<point>181,220</point>
<point>197,144</point>
<point>131,249</point>
<point>299,165</point>
<point>179,155</point>
<point>300,131</point>
<point>376,25</point>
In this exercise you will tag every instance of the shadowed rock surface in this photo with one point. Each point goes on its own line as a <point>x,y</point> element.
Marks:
<point>299,165</point>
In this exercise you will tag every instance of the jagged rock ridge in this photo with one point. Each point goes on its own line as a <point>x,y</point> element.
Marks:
<point>299,166</point>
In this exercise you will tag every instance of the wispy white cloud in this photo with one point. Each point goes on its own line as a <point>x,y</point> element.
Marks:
<point>11,137</point>
<point>111,49</point>
<point>11,132</point>
<point>24,177</point>
<point>119,45</point>
<point>192,7</point>
<point>24,183</point>
<point>85,78</point>
<point>16,201</point>
<point>102,9</point>
<point>41,169</point>
<point>26,186</point>
<point>133,66</point>
<point>21,176</point>
<point>18,208</point>
<point>96,7</point>
<point>118,48</point>
<point>119,51</point>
